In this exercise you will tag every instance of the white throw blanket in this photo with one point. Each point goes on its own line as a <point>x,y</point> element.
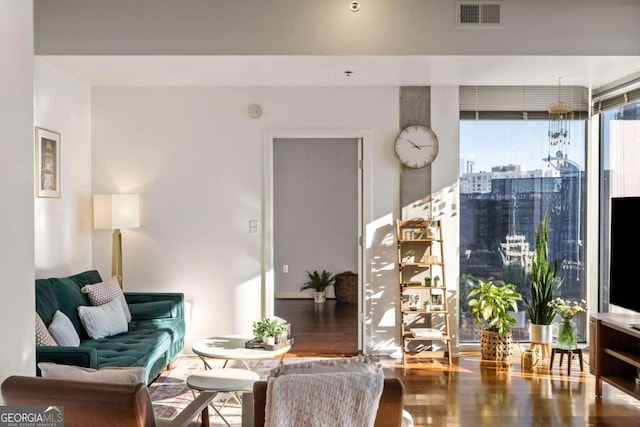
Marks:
<point>340,399</point>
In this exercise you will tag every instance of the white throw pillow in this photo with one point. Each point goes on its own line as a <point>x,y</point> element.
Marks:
<point>103,292</point>
<point>62,330</point>
<point>43,337</point>
<point>131,375</point>
<point>104,320</point>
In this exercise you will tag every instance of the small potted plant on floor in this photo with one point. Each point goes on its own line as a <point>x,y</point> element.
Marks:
<point>319,283</point>
<point>490,304</point>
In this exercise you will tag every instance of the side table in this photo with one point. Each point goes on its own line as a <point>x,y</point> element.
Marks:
<point>223,380</point>
<point>233,348</point>
<point>570,354</point>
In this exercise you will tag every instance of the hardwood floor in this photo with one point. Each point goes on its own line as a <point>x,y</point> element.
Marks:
<point>471,392</point>
<point>329,328</point>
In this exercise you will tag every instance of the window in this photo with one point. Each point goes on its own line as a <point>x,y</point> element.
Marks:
<point>510,176</point>
<point>620,176</point>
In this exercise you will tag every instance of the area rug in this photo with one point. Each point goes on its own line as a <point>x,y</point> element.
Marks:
<point>170,393</point>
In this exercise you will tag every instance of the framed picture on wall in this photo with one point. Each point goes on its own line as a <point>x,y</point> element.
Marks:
<point>47,168</point>
<point>437,299</point>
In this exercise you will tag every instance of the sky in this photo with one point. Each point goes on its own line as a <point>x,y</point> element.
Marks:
<point>503,142</point>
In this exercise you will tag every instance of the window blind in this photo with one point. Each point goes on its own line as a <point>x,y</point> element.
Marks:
<point>616,97</point>
<point>520,102</point>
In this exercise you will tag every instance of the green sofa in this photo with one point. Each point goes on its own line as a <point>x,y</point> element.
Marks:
<point>155,334</point>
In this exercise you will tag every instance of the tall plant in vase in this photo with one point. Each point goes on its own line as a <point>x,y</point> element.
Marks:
<point>544,283</point>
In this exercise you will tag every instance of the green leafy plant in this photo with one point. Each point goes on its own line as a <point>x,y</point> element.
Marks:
<point>268,327</point>
<point>319,281</point>
<point>490,304</point>
<point>544,279</point>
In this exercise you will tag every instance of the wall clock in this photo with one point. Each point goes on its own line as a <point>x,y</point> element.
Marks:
<point>416,146</point>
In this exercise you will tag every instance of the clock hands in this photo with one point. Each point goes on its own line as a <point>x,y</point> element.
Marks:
<point>415,146</point>
<point>419,147</point>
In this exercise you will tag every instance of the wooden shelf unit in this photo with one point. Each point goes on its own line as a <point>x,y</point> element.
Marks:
<point>615,351</point>
<point>417,282</point>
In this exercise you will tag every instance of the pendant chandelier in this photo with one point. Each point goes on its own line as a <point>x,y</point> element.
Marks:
<point>559,134</point>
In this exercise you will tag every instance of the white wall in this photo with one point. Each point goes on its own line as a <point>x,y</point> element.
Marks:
<point>63,225</point>
<point>16,189</point>
<point>444,186</point>
<point>195,158</point>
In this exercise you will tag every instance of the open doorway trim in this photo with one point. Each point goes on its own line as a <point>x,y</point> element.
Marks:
<point>365,214</point>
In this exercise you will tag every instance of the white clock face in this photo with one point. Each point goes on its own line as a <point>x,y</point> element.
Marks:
<point>416,146</point>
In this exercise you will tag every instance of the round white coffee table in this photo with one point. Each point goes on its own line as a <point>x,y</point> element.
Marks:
<point>223,380</point>
<point>233,348</point>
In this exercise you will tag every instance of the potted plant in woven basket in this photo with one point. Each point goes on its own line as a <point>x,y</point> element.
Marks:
<point>346,287</point>
<point>490,304</point>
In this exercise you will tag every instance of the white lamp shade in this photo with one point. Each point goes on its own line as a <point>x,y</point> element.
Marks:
<point>116,211</point>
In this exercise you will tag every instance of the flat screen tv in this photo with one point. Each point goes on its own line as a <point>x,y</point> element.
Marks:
<point>625,235</point>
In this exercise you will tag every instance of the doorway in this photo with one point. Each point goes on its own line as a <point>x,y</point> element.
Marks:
<point>314,221</point>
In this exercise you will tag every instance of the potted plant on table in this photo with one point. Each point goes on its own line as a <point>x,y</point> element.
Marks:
<point>490,304</point>
<point>319,283</point>
<point>268,329</point>
<point>544,283</point>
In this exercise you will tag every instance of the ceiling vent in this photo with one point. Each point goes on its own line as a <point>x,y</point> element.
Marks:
<point>479,14</point>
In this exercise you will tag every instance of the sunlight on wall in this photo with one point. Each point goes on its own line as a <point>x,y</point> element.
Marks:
<point>388,318</point>
<point>187,313</point>
<point>418,209</point>
<point>383,292</point>
<point>373,226</point>
<point>247,306</point>
<point>446,202</point>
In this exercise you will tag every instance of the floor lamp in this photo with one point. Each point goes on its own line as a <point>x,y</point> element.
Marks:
<point>115,212</point>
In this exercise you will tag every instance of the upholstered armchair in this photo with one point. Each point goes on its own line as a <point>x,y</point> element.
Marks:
<point>390,410</point>
<point>97,404</point>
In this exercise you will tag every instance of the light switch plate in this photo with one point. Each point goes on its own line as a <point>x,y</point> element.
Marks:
<point>254,226</point>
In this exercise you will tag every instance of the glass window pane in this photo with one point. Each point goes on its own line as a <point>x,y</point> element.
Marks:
<point>509,176</point>
<point>620,151</point>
